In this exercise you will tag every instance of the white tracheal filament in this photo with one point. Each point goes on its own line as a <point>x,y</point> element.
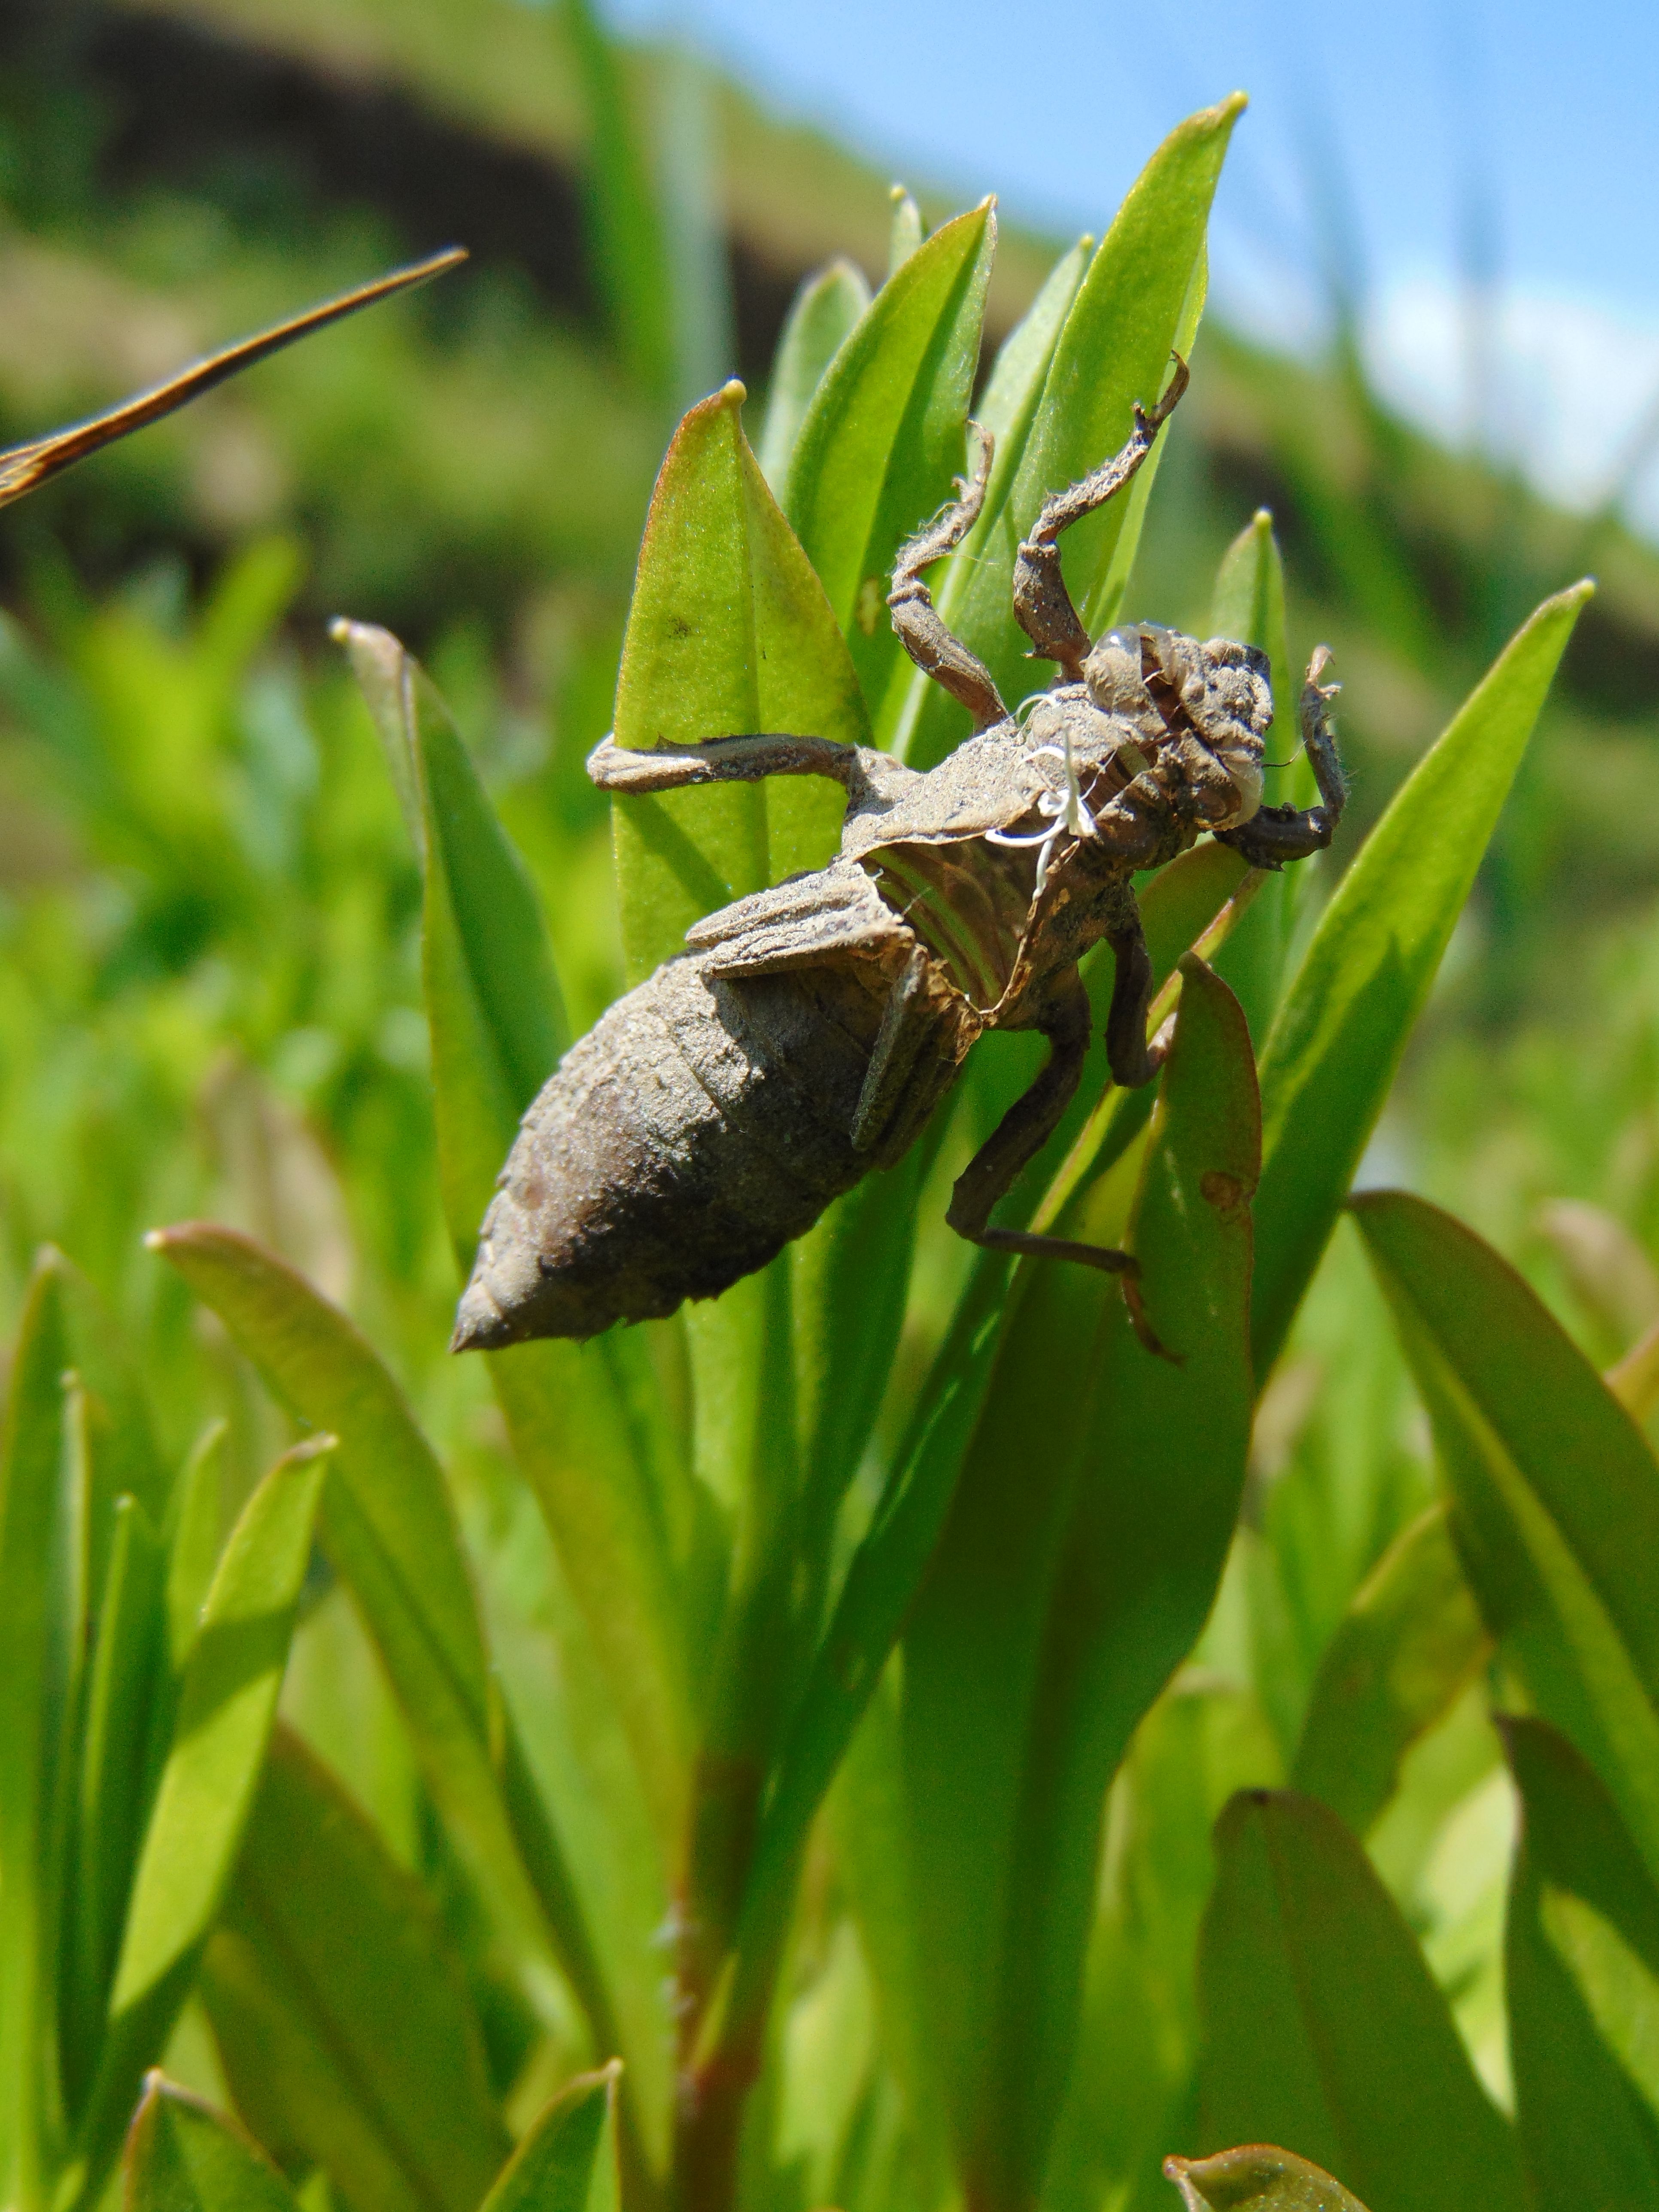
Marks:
<point>1066,811</point>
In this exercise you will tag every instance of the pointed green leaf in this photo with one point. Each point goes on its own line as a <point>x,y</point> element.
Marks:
<point>181,2156</point>
<point>1322,2027</point>
<point>827,306</point>
<point>885,436</point>
<point>729,632</point>
<point>341,2017</point>
<point>627,256</point>
<point>504,1026</point>
<point>193,1541</point>
<point>1006,409</point>
<point>556,2168</point>
<point>322,1369</point>
<point>35,1540</point>
<point>1259,2176</point>
<point>582,1417</point>
<point>906,234</point>
<point>127,1682</point>
<point>1581,1975</point>
<point>1144,283</point>
<point>1249,605</point>
<point>226,1709</point>
<point>1058,1605</point>
<point>1349,1009</point>
<point>1409,1641</point>
<point>1555,1492</point>
<point>390,1530</point>
<point>125,1460</point>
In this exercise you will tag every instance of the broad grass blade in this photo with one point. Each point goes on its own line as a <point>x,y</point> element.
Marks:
<point>924,722</point>
<point>580,1418</point>
<point>341,2013</point>
<point>1555,1492</point>
<point>729,632</point>
<point>886,1571</point>
<point>1146,280</point>
<point>1409,1641</point>
<point>192,1535</point>
<point>182,2157</point>
<point>126,1684</point>
<point>1324,2027</point>
<point>1069,1582</point>
<point>36,1539</point>
<point>207,1789</point>
<point>1132,2091</point>
<point>1342,1029</point>
<point>627,256</point>
<point>1257,2177</point>
<point>1582,1974</point>
<point>560,2166</point>
<point>1249,605</point>
<point>885,436</point>
<point>390,1530</point>
<point>825,309</point>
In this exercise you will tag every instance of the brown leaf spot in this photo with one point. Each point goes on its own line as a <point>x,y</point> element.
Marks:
<point>1225,1191</point>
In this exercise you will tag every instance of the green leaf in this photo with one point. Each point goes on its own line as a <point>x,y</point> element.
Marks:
<point>1555,1492</point>
<point>1140,298</point>
<point>827,306</point>
<point>504,1026</point>
<point>558,2166</point>
<point>1322,2027</point>
<point>907,233</point>
<point>1133,2091</point>
<point>193,1542</point>
<point>127,1684</point>
<point>226,1709</point>
<point>181,2156</point>
<point>729,632</point>
<point>876,1595</point>
<point>1006,409</point>
<point>884,434</point>
<point>36,1538</point>
<point>1409,1641</point>
<point>1058,1605</point>
<point>390,1530</point>
<point>1343,1025</point>
<point>342,2016</point>
<point>1258,2175</point>
<point>627,257</point>
<point>1582,1974</point>
<point>1249,605</point>
<point>127,1461</point>
<point>885,1573</point>
<point>582,1419</point>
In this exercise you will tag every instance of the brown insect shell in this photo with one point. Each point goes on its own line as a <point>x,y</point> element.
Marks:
<point>712,1112</point>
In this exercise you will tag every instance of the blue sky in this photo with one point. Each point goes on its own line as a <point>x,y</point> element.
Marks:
<point>1438,139</point>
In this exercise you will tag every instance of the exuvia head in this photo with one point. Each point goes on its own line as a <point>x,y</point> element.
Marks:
<point>1216,693</point>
